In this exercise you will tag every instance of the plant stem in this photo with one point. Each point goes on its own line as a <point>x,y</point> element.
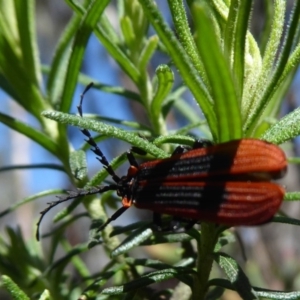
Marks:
<point>205,260</point>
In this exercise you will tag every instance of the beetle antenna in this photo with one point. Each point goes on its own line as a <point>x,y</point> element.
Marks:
<point>73,195</point>
<point>81,192</point>
<point>100,156</point>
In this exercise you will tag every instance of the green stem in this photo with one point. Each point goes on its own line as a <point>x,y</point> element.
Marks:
<point>205,260</point>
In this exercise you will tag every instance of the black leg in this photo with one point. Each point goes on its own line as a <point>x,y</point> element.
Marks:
<point>174,225</point>
<point>203,143</point>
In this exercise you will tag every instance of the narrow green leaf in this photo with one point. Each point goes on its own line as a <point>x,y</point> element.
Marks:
<point>236,276</point>
<point>13,289</point>
<point>148,279</point>
<point>32,166</point>
<point>227,238</point>
<point>157,264</point>
<point>37,136</point>
<point>78,164</point>
<point>230,29</point>
<point>292,196</point>
<point>108,130</point>
<point>132,241</point>
<point>59,64</point>
<point>29,199</point>
<point>140,24</point>
<point>269,294</point>
<point>175,139</point>
<point>286,220</point>
<point>28,39</point>
<point>214,293</point>
<point>239,43</point>
<point>89,22</point>
<point>111,47</point>
<point>165,81</point>
<point>147,52</point>
<point>294,160</point>
<point>45,295</point>
<point>226,104</point>
<point>128,33</point>
<point>285,129</point>
<point>224,283</point>
<point>130,124</point>
<point>186,39</point>
<point>267,27</point>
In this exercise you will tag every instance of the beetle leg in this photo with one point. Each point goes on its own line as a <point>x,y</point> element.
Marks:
<point>174,225</point>
<point>202,143</point>
<point>114,216</point>
<point>179,150</point>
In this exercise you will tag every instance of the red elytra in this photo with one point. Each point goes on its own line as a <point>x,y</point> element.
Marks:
<point>227,183</point>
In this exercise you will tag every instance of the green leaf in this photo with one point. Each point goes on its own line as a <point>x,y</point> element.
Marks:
<point>175,139</point>
<point>215,293</point>
<point>134,125</point>
<point>147,53</point>
<point>28,39</point>
<point>109,42</point>
<point>286,220</point>
<point>239,42</point>
<point>78,164</point>
<point>105,129</point>
<point>57,72</point>
<point>292,196</point>
<point>29,199</point>
<point>88,23</point>
<point>134,240</point>
<point>45,295</point>
<point>128,33</point>
<point>157,264</point>
<point>223,91</point>
<point>37,136</point>
<point>165,81</point>
<point>144,235</point>
<point>225,239</point>
<point>236,276</point>
<point>269,294</point>
<point>13,289</point>
<point>150,278</point>
<point>285,129</point>
<point>186,39</point>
